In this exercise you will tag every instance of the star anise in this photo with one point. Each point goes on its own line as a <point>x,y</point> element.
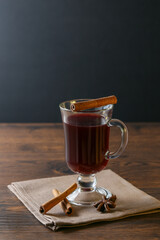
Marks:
<point>105,204</point>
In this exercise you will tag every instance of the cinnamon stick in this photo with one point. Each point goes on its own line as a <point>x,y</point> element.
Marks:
<point>53,202</point>
<point>99,102</point>
<point>65,205</point>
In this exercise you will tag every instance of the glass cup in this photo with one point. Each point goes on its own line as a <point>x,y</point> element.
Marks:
<point>87,148</point>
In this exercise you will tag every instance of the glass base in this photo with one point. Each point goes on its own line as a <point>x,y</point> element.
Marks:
<point>87,193</point>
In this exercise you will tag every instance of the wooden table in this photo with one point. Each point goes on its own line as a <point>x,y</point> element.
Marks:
<point>29,151</point>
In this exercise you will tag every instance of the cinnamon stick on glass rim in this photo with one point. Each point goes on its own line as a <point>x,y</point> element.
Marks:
<point>94,103</point>
<point>44,208</point>
<point>65,205</point>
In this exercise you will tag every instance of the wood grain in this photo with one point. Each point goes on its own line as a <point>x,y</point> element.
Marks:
<point>29,151</point>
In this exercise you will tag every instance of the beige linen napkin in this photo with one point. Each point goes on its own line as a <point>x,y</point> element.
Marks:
<point>130,200</point>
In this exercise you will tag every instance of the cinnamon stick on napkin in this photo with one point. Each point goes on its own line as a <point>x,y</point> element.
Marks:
<point>130,200</point>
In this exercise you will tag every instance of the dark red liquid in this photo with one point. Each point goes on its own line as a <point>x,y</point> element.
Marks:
<point>86,142</point>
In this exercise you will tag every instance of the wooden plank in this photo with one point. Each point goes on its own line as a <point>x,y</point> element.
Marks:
<point>29,151</point>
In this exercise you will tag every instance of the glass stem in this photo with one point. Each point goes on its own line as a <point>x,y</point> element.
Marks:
<point>87,183</point>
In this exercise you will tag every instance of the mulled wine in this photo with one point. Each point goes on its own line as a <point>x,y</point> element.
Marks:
<point>86,142</point>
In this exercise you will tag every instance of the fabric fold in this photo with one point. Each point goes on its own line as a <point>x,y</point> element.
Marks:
<point>130,200</point>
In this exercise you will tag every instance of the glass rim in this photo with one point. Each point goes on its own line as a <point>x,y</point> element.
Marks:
<point>98,109</point>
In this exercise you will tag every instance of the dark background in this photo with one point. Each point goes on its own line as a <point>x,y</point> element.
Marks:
<point>55,50</point>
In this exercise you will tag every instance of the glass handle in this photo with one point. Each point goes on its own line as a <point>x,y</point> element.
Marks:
<point>124,138</point>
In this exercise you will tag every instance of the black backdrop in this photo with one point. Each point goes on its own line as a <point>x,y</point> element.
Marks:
<point>54,50</point>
